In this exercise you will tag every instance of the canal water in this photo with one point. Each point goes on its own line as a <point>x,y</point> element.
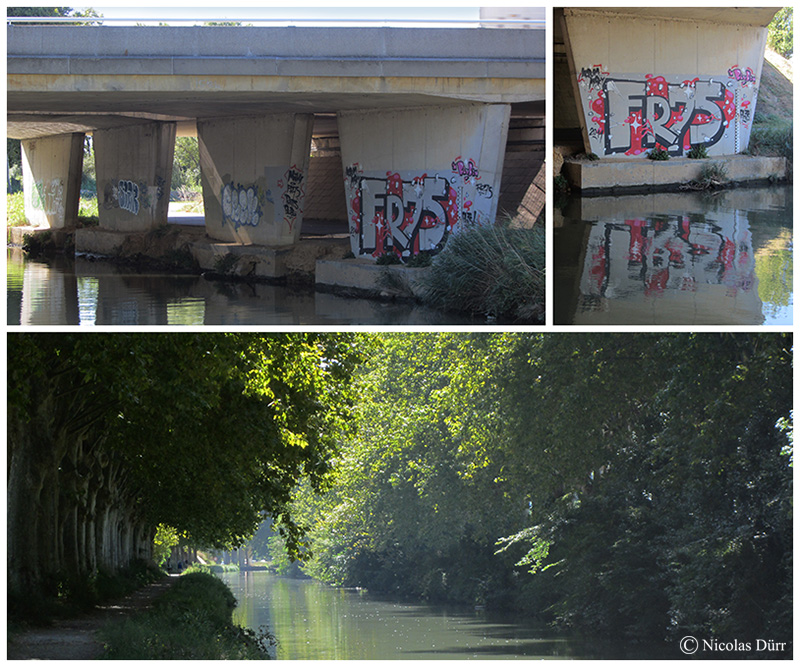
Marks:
<point>687,258</point>
<point>64,290</point>
<point>314,621</point>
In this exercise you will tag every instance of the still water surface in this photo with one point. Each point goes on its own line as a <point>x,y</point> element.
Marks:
<point>687,258</point>
<point>315,621</point>
<point>63,290</point>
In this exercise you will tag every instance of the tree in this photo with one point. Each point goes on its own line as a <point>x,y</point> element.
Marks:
<point>111,435</point>
<point>780,32</point>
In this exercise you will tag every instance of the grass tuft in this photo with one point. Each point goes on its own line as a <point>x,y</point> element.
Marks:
<point>497,271</point>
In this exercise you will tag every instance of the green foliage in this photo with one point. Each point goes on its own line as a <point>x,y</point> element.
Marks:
<point>186,164</point>
<point>780,32</point>
<point>421,259</point>
<point>388,258</point>
<point>698,152</point>
<point>191,621</point>
<point>497,271</point>
<point>166,537</point>
<point>159,420</point>
<point>658,154</point>
<point>643,479</point>
<point>15,210</point>
<point>771,135</point>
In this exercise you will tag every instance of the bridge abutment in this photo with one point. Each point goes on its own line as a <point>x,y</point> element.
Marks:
<point>414,176</point>
<point>254,173</point>
<point>134,170</point>
<point>52,168</point>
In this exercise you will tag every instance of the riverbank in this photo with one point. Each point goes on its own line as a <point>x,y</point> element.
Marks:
<point>77,638</point>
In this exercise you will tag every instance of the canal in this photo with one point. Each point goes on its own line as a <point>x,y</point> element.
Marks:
<point>82,291</point>
<point>675,258</point>
<point>314,621</point>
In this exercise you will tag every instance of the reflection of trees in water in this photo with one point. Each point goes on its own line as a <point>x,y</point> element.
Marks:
<point>774,272</point>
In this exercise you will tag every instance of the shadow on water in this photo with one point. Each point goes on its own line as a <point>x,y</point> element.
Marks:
<point>80,291</point>
<point>685,258</point>
<point>314,621</point>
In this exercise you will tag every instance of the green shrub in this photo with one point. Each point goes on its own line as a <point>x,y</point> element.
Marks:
<point>497,271</point>
<point>388,258</point>
<point>191,621</point>
<point>421,259</point>
<point>658,154</point>
<point>15,210</point>
<point>698,152</point>
<point>771,135</point>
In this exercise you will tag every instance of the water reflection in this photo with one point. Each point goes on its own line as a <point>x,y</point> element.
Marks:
<point>676,259</point>
<point>81,291</point>
<point>317,622</point>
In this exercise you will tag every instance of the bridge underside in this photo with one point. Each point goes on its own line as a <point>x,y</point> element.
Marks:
<point>414,145</point>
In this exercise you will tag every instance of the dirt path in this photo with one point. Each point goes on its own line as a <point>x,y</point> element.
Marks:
<point>75,638</point>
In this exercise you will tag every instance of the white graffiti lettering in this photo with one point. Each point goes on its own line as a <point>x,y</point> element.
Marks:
<point>128,196</point>
<point>241,205</point>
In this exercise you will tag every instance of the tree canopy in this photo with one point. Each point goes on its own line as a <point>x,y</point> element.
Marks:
<point>111,435</point>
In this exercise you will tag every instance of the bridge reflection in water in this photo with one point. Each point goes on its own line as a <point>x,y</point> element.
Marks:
<point>95,292</point>
<point>676,259</point>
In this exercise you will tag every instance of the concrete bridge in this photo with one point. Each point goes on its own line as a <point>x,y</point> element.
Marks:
<point>414,126</point>
<point>628,80</point>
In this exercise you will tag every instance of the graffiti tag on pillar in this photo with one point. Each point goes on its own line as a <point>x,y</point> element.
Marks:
<point>48,196</point>
<point>745,78</point>
<point>293,195</point>
<point>468,170</point>
<point>405,216</point>
<point>631,114</point>
<point>241,205</point>
<point>128,196</point>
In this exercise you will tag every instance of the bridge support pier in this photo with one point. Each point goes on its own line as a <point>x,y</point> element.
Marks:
<point>51,168</point>
<point>134,170</point>
<point>254,173</point>
<point>414,176</point>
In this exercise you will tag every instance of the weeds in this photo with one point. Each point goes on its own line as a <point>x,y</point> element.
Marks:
<point>191,621</point>
<point>698,152</point>
<point>712,176</point>
<point>658,154</point>
<point>494,270</point>
<point>15,210</point>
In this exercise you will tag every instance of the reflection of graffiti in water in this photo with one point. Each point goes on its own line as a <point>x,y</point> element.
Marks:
<point>667,253</point>
<point>632,113</point>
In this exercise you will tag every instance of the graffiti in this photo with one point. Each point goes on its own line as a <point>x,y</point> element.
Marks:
<point>593,76</point>
<point>485,190</point>
<point>744,78</point>
<point>404,216</point>
<point>632,114</point>
<point>468,170</point>
<point>293,195</point>
<point>48,197</point>
<point>652,256</point>
<point>241,205</point>
<point>128,196</point>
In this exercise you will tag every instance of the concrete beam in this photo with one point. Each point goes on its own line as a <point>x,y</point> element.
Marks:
<point>52,168</point>
<point>134,171</point>
<point>254,173</point>
<point>415,176</point>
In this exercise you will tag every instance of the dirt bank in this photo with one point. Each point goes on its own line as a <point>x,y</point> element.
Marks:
<point>76,638</point>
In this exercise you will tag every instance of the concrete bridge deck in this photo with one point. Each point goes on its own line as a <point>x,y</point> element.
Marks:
<point>68,78</point>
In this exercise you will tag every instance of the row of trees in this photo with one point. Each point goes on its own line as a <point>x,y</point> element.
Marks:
<point>637,486</point>
<point>110,436</point>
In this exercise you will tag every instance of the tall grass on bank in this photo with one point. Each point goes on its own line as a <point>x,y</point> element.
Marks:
<point>191,621</point>
<point>771,135</point>
<point>496,271</point>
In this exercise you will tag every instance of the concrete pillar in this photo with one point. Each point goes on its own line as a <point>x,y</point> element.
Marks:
<point>414,176</point>
<point>51,168</point>
<point>134,170</point>
<point>668,82</point>
<point>254,173</point>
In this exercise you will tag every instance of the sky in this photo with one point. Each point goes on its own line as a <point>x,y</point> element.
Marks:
<point>415,10</point>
